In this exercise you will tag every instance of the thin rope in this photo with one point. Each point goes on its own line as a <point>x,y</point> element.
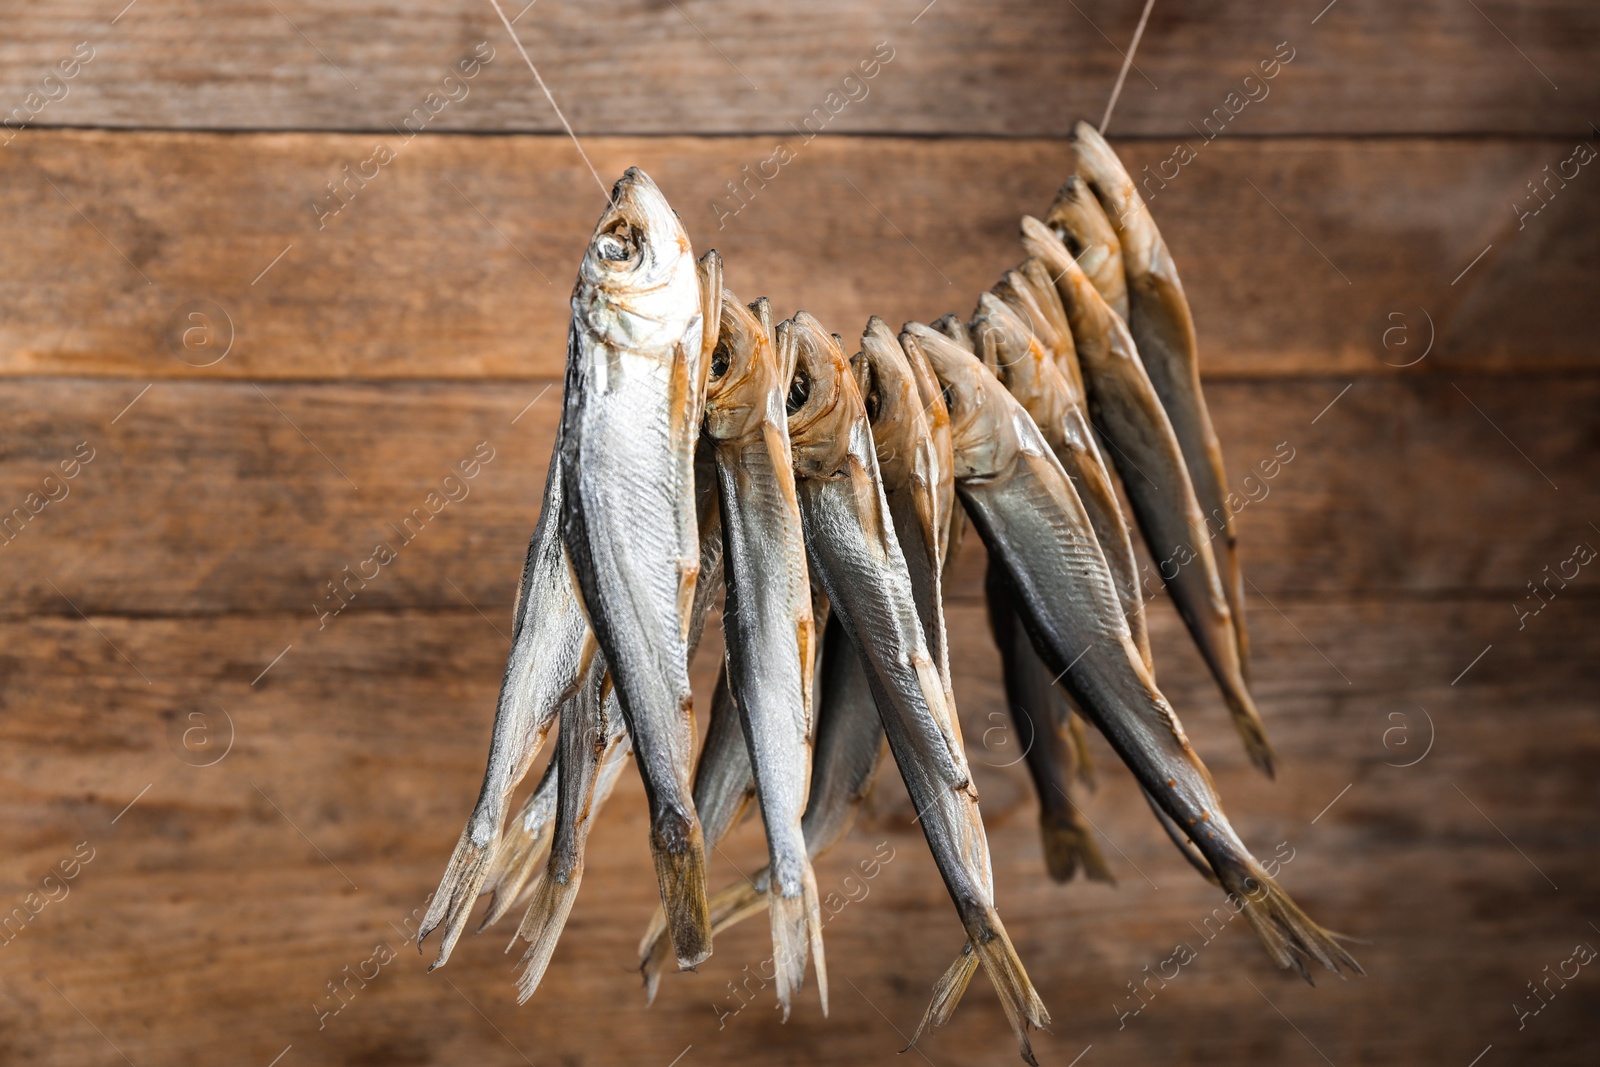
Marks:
<point>546,89</point>
<point>1127,61</point>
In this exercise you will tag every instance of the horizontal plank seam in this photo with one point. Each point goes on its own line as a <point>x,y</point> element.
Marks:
<point>884,135</point>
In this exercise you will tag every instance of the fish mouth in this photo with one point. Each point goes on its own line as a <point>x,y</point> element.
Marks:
<point>637,228</point>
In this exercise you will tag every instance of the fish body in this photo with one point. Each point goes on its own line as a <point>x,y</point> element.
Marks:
<point>1060,410</point>
<point>551,649</point>
<point>1032,698</point>
<point>768,619</point>
<point>1130,418</point>
<point>1024,507</point>
<point>851,543</point>
<point>634,395</point>
<point>1158,316</point>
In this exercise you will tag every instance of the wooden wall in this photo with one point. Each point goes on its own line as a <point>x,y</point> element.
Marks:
<point>266,798</point>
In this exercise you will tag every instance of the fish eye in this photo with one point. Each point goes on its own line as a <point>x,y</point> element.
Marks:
<point>874,397</point>
<point>799,391</point>
<point>721,357</point>
<point>618,245</point>
<point>949,399</point>
<point>1073,244</point>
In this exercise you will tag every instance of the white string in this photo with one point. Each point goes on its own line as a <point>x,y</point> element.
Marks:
<point>546,89</point>
<point>1127,61</point>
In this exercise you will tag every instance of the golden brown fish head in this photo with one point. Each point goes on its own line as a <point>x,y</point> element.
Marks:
<point>1078,218</point>
<point>823,399</point>
<point>1125,209</point>
<point>895,407</point>
<point>983,441</point>
<point>1086,309</point>
<point>1025,366</point>
<point>744,373</point>
<point>637,287</point>
<point>952,327</point>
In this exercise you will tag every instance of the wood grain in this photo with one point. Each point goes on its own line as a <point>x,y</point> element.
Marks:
<point>228,498</point>
<point>455,261</point>
<point>959,67</point>
<point>216,908</point>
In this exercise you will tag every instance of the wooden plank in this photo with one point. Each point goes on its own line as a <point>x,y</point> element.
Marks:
<point>216,908</point>
<point>455,261</point>
<point>1013,68</point>
<point>231,498</point>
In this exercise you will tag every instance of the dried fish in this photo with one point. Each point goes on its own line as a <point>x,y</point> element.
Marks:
<point>858,560</point>
<point>1024,507</point>
<point>768,619</point>
<point>634,396</point>
<point>1130,419</point>
<point>1158,317</point>
<point>551,648</point>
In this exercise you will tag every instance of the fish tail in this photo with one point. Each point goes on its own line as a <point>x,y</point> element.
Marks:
<point>1068,844</point>
<point>1287,933</point>
<point>1018,999</point>
<point>680,859</point>
<point>796,933</point>
<point>515,863</point>
<point>457,892</point>
<point>654,952</point>
<point>1247,720</point>
<point>948,991</point>
<point>541,928</point>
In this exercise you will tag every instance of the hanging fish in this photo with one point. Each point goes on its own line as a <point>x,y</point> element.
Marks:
<point>1130,419</point>
<point>634,395</point>
<point>1158,317</point>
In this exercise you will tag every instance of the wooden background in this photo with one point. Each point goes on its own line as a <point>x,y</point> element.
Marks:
<point>162,615</point>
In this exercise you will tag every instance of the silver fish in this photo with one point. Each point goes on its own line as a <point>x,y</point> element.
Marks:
<point>1163,328</point>
<point>911,436</point>
<point>551,647</point>
<point>854,553</point>
<point>1131,420</point>
<point>1032,698</point>
<point>1024,507</point>
<point>634,395</point>
<point>1060,410</point>
<point>768,619</point>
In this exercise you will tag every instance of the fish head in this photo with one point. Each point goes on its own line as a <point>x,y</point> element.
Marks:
<point>983,441</point>
<point>1079,220</point>
<point>1011,349</point>
<point>823,402</point>
<point>952,327</point>
<point>1110,184</point>
<point>1085,308</point>
<point>638,289</point>
<point>1048,300</point>
<point>894,405</point>
<point>743,379</point>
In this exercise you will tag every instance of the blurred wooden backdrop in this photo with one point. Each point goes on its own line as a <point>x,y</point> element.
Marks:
<point>248,387</point>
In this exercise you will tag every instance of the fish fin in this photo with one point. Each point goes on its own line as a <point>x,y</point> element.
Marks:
<point>654,953</point>
<point>541,927</point>
<point>1247,720</point>
<point>1082,762</point>
<point>796,927</point>
<point>1189,850</point>
<point>1069,844</point>
<point>1287,933</point>
<point>1018,999</point>
<point>948,991</point>
<point>680,860</point>
<point>457,893</point>
<point>515,864</point>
